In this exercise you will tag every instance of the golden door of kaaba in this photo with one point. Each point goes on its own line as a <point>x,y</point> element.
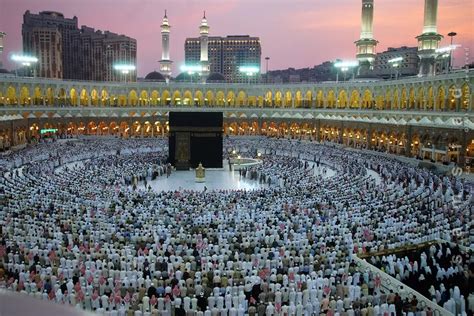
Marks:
<point>183,150</point>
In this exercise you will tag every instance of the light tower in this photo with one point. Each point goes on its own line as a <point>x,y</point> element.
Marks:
<point>429,40</point>
<point>165,62</point>
<point>366,44</point>
<point>2,36</point>
<point>204,38</point>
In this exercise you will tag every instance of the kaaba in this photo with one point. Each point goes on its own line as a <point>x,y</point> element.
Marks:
<point>195,137</point>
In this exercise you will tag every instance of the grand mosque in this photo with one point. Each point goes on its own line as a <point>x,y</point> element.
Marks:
<point>428,116</point>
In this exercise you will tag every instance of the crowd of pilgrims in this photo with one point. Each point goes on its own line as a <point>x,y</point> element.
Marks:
<point>74,230</point>
<point>441,272</point>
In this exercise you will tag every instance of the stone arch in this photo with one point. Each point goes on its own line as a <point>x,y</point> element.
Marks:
<point>452,98</point>
<point>320,99</point>
<point>403,99</point>
<point>380,102</point>
<point>269,99</point>
<point>94,97</point>
<point>388,99</point>
<point>37,96</point>
<point>11,98</point>
<point>144,99</point>
<point>62,96</point>
<point>298,99</point>
<point>331,99</point>
<point>176,99</point>
<point>73,97</point>
<point>154,98</point>
<point>288,99</point>
<point>49,96</point>
<point>440,99</point>
<point>396,100</point>
<point>308,100</point>
<point>209,100</point>
<point>187,98</point>
<point>355,99</point>
<point>367,99</point>
<point>220,99</point>
<point>166,98</point>
<point>25,96</point>
<point>84,97</point>
<point>465,96</point>
<point>342,99</point>
<point>278,99</point>
<point>104,98</point>
<point>199,98</point>
<point>230,98</point>
<point>133,98</point>
<point>430,101</point>
<point>411,99</point>
<point>241,98</point>
<point>420,98</point>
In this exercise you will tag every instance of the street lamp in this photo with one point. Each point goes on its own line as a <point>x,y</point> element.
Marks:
<point>124,69</point>
<point>249,71</point>
<point>344,66</point>
<point>395,62</point>
<point>451,59</point>
<point>26,61</point>
<point>266,69</point>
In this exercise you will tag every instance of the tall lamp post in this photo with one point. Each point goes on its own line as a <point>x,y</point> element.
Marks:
<point>395,62</point>
<point>451,59</point>
<point>249,71</point>
<point>124,69</point>
<point>344,66</point>
<point>25,61</point>
<point>266,68</point>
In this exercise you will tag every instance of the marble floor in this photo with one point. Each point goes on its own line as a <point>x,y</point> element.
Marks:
<point>217,179</point>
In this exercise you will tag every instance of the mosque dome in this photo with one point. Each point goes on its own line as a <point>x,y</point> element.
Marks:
<point>155,76</point>
<point>215,77</point>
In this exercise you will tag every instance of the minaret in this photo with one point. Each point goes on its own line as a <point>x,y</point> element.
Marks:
<point>429,40</point>
<point>366,44</point>
<point>2,36</point>
<point>165,62</point>
<point>204,37</point>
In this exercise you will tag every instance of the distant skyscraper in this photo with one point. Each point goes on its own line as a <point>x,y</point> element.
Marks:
<point>226,54</point>
<point>85,54</point>
<point>165,62</point>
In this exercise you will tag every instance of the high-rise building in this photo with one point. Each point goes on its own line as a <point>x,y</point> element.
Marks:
<point>46,44</point>
<point>407,66</point>
<point>85,54</point>
<point>226,55</point>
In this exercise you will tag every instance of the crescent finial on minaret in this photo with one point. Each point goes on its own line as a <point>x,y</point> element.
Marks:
<point>204,14</point>
<point>165,14</point>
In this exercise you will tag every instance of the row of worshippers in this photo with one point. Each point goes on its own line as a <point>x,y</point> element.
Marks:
<point>82,226</point>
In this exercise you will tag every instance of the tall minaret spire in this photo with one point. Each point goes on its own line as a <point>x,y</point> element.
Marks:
<point>204,38</point>
<point>366,44</point>
<point>429,40</point>
<point>165,62</point>
<point>2,36</point>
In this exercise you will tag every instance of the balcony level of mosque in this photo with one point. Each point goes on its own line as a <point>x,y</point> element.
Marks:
<point>428,117</point>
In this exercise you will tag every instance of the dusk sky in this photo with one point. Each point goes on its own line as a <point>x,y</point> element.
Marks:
<point>293,33</point>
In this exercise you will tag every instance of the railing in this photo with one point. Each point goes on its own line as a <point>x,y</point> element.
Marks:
<point>389,283</point>
<point>415,79</point>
